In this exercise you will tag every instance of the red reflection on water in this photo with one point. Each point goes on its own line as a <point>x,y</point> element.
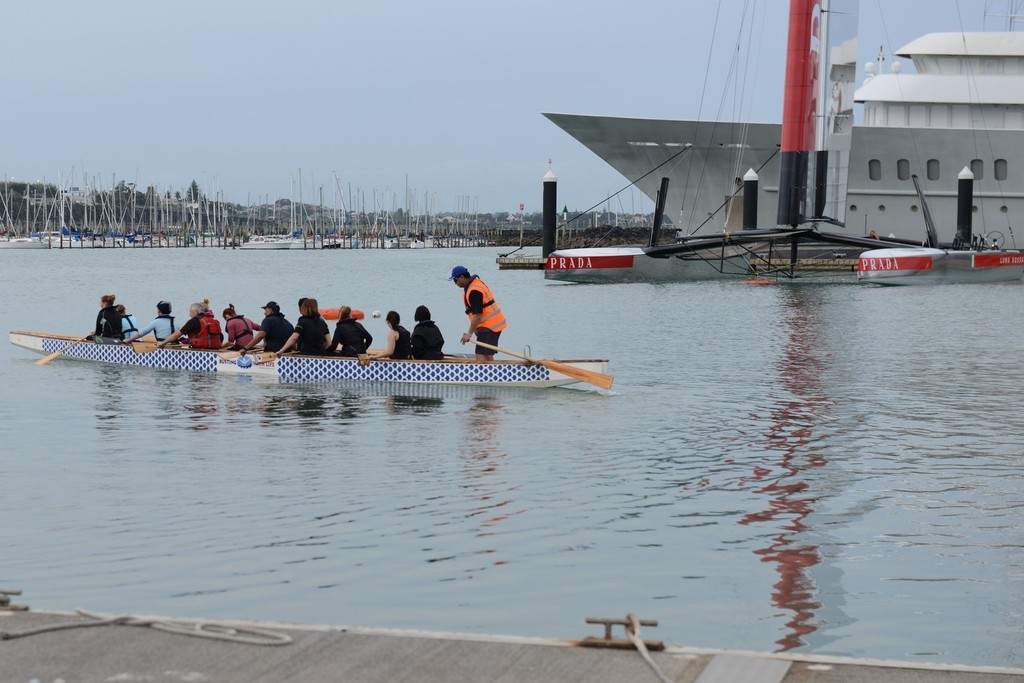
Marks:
<point>792,437</point>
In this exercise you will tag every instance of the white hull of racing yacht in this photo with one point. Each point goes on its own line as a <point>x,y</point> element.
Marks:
<point>930,266</point>
<point>634,264</point>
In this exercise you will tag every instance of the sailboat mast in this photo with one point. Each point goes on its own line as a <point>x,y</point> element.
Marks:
<point>799,108</point>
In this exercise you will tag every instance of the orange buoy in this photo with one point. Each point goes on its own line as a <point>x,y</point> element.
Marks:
<point>332,314</point>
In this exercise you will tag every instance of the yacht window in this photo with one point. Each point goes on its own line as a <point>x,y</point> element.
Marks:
<point>1000,169</point>
<point>933,169</point>
<point>903,169</point>
<point>940,116</point>
<point>991,66</point>
<point>978,169</point>
<point>875,169</point>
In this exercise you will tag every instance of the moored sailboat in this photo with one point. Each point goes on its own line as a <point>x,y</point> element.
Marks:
<point>817,120</point>
<point>968,260</point>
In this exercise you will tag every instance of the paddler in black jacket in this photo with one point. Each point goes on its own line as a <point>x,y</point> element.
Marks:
<point>108,320</point>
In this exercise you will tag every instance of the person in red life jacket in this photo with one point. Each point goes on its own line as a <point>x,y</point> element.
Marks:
<point>240,330</point>
<point>486,320</point>
<point>202,332</point>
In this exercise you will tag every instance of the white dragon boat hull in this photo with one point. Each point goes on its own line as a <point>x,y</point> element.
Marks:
<point>450,371</point>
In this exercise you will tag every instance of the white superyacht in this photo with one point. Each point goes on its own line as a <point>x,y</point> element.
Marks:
<point>963,107</point>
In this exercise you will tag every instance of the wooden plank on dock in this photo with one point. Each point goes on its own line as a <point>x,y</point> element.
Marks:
<point>521,262</point>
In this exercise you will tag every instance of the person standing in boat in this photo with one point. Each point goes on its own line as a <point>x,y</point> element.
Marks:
<point>274,330</point>
<point>311,336</point>
<point>128,326</point>
<point>240,330</point>
<point>108,320</point>
<point>399,346</point>
<point>162,325</point>
<point>350,337</point>
<point>486,320</point>
<point>202,331</point>
<point>426,339</point>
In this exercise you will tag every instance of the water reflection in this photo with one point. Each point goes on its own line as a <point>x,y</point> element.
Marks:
<point>491,494</point>
<point>796,447</point>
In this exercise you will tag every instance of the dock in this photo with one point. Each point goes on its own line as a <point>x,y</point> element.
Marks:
<point>521,262</point>
<point>84,647</point>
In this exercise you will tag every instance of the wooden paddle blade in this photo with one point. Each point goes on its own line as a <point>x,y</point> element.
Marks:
<point>364,359</point>
<point>230,355</point>
<point>590,377</point>
<point>598,379</point>
<point>46,359</point>
<point>143,346</point>
<point>263,357</point>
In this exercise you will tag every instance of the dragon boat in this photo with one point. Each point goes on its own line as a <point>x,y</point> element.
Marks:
<point>527,372</point>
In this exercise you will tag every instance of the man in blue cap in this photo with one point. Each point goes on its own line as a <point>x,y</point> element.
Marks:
<point>486,320</point>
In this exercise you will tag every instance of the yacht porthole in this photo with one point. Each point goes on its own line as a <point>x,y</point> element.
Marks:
<point>1003,209</point>
<point>974,209</point>
<point>913,207</point>
<point>881,208</point>
<point>853,207</point>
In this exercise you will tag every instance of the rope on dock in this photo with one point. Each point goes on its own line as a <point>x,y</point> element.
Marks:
<point>633,633</point>
<point>246,635</point>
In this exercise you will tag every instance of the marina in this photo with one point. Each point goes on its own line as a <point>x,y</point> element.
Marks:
<point>778,469</point>
<point>792,477</point>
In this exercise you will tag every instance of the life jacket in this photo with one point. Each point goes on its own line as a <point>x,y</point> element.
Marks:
<point>247,329</point>
<point>491,316</point>
<point>209,337</point>
<point>130,328</point>
<point>403,345</point>
<point>169,318</point>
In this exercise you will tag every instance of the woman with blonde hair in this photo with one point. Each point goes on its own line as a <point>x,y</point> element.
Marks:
<point>108,320</point>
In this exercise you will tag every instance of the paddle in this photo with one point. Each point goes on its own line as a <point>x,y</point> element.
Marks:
<point>143,346</point>
<point>257,357</point>
<point>590,377</point>
<point>46,359</point>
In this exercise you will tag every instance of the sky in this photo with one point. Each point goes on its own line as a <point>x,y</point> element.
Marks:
<point>374,101</point>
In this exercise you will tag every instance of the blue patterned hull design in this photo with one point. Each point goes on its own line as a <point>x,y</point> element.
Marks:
<point>124,354</point>
<point>317,369</point>
<point>306,369</point>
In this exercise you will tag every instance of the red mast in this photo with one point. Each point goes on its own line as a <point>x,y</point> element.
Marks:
<point>799,108</point>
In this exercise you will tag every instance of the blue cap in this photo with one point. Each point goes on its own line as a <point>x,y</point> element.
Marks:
<point>459,270</point>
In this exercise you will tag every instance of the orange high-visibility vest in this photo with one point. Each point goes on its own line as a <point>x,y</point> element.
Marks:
<point>491,317</point>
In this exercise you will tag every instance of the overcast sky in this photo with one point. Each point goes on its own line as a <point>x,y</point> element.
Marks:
<point>441,96</point>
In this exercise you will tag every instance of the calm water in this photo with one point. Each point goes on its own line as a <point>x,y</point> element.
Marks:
<point>824,468</point>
